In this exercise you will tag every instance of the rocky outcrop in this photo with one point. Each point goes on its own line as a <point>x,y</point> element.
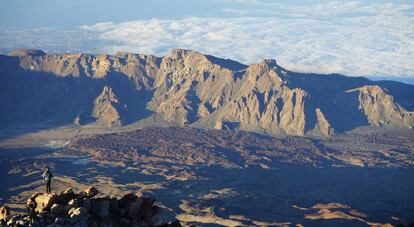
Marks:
<point>189,85</point>
<point>43,201</point>
<point>380,108</point>
<point>83,209</point>
<point>189,88</point>
<point>27,52</point>
<point>322,126</point>
<point>105,108</point>
<point>140,67</point>
<point>4,212</point>
<point>262,102</point>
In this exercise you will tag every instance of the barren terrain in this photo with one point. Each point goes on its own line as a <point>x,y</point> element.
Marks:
<point>359,178</point>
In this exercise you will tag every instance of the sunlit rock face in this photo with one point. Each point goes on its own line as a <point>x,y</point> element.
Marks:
<point>189,88</point>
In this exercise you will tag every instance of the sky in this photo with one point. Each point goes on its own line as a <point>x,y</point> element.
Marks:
<point>355,38</point>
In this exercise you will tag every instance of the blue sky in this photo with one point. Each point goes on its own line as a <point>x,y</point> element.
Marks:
<point>357,38</point>
<point>71,13</point>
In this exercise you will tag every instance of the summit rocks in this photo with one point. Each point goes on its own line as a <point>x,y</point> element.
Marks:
<point>83,209</point>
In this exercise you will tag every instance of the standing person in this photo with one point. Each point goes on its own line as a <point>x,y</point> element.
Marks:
<point>47,175</point>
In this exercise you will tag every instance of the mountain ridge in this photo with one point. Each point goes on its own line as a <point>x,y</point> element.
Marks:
<point>186,87</point>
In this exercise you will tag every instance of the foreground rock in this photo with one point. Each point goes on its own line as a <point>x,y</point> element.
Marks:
<point>4,212</point>
<point>82,209</point>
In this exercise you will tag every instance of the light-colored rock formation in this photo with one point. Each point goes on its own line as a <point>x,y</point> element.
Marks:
<point>89,192</point>
<point>262,102</point>
<point>189,88</point>
<point>104,109</point>
<point>140,67</point>
<point>380,109</point>
<point>44,201</point>
<point>4,212</point>
<point>27,52</point>
<point>322,126</point>
<point>187,80</point>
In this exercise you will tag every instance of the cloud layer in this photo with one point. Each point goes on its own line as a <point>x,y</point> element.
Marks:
<point>351,38</point>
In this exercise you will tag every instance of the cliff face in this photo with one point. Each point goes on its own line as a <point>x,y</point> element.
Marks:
<point>379,107</point>
<point>140,67</point>
<point>260,101</point>
<point>189,88</point>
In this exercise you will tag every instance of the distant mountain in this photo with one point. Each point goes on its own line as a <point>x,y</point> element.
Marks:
<point>189,88</point>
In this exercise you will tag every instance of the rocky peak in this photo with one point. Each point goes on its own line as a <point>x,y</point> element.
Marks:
<point>106,96</point>
<point>380,108</point>
<point>374,91</point>
<point>141,67</point>
<point>181,53</point>
<point>106,108</point>
<point>132,58</point>
<point>124,54</point>
<point>263,66</point>
<point>264,75</point>
<point>180,58</point>
<point>270,62</point>
<point>27,52</point>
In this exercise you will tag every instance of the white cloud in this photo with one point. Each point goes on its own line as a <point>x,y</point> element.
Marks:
<point>235,11</point>
<point>352,38</point>
<point>100,27</point>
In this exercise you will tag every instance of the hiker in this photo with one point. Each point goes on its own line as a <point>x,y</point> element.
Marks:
<point>31,206</point>
<point>47,175</point>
